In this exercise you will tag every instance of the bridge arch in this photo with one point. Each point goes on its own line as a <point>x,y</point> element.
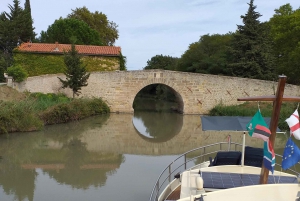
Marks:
<point>199,92</point>
<point>178,97</point>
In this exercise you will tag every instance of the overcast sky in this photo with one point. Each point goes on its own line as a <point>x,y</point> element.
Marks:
<point>153,27</point>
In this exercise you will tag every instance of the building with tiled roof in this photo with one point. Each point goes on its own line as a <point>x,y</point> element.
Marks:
<point>57,48</point>
<point>46,58</point>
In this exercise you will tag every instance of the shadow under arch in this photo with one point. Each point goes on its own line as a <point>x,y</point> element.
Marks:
<point>152,90</point>
<point>157,127</point>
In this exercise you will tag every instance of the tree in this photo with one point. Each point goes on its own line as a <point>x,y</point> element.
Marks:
<point>285,26</point>
<point>122,60</point>
<point>161,62</point>
<point>98,21</point>
<point>67,31</point>
<point>208,55</point>
<point>15,27</point>
<point>2,68</point>
<point>76,75</point>
<point>29,29</point>
<point>18,73</point>
<point>251,49</point>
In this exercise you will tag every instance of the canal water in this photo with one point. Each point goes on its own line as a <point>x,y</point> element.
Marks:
<point>113,157</point>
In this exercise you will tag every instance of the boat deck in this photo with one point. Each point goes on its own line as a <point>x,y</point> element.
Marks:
<point>217,178</point>
<point>175,195</point>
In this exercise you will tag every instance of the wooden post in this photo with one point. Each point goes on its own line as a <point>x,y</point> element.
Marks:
<point>264,174</point>
<point>277,101</point>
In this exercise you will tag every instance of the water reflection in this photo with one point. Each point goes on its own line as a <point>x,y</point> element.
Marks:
<point>157,127</point>
<point>95,158</point>
<point>60,153</point>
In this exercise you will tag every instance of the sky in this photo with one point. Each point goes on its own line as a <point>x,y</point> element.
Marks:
<point>154,27</point>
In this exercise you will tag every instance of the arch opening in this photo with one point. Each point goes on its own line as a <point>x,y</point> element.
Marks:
<point>157,112</point>
<point>158,98</point>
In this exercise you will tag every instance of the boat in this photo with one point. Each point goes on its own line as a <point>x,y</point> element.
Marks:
<point>229,171</point>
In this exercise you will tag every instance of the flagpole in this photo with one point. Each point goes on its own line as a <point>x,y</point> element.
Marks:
<point>264,174</point>
<point>243,151</point>
<point>277,101</point>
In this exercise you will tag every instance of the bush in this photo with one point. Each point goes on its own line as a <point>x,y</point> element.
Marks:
<point>42,109</point>
<point>18,116</point>
<point>75,110</point>
<point>17,72</point>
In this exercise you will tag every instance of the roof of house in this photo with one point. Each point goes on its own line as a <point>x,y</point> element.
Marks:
<point>57,48</point>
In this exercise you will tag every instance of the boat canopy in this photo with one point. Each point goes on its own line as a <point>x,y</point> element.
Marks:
<point>232,123</point>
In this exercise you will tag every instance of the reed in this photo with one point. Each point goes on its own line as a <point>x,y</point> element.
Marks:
<point>250,108</point>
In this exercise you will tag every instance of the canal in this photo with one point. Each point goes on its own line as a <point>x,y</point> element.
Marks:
<point>113,157</point>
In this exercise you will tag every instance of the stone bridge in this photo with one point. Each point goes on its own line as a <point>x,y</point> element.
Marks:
<point>196,93</point>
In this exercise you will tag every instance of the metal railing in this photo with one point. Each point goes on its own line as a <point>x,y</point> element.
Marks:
<point>161,181</point>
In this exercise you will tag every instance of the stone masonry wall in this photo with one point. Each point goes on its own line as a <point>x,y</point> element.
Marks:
<point>199,92</point>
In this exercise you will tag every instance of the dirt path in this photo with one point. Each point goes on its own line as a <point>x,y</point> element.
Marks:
<point>8,94</point>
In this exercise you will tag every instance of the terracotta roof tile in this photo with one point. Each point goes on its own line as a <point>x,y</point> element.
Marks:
<point>60,48</point>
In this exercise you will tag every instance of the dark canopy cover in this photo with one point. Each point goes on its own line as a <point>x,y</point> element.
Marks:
<point>233,123</point>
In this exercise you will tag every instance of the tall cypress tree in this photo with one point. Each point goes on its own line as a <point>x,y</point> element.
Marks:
<point>251,51</point>
<point>15,27</point>
<point>28,23</point>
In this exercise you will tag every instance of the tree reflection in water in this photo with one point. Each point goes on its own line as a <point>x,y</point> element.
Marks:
<point>67,160</point>
<point>84,169</point>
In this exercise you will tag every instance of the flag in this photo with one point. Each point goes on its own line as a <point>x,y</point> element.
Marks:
<point>269,156</point>
<point>258,128</point>
<point>291,154</point>
<point>293,122</point>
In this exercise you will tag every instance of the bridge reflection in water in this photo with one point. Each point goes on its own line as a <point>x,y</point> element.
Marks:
<point>71,161</point>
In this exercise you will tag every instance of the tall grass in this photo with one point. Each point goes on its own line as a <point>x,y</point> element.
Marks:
<point>39,109</point>
<point>250,108</point>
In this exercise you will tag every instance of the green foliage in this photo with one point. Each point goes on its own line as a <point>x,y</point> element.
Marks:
<point>71,30</point>
<point>44,101</point>
<point>162,62</point>
<point>74,110</point>
<point>18,116</point>
<point>41,109</point>
<point>41,64</point>
<point>29,29</point>
<point>2,69</point>
<point>18,73</point>
<point>251,51</point>
<point>250,108</point>
<point>122,61</point>
<point>15,27</point>
<point>76,75</point>
<point>208,55</point>
<point>98,21</point>
<point>285,26</point>
<point>157,91</point>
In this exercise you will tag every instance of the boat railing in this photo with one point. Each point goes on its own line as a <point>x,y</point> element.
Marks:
<point>165,178</point>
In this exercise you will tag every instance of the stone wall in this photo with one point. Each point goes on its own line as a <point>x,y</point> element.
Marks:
<point>198,92</point>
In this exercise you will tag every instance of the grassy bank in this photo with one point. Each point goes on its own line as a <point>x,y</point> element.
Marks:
<point>250,108</point>
<point>38,110</point>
